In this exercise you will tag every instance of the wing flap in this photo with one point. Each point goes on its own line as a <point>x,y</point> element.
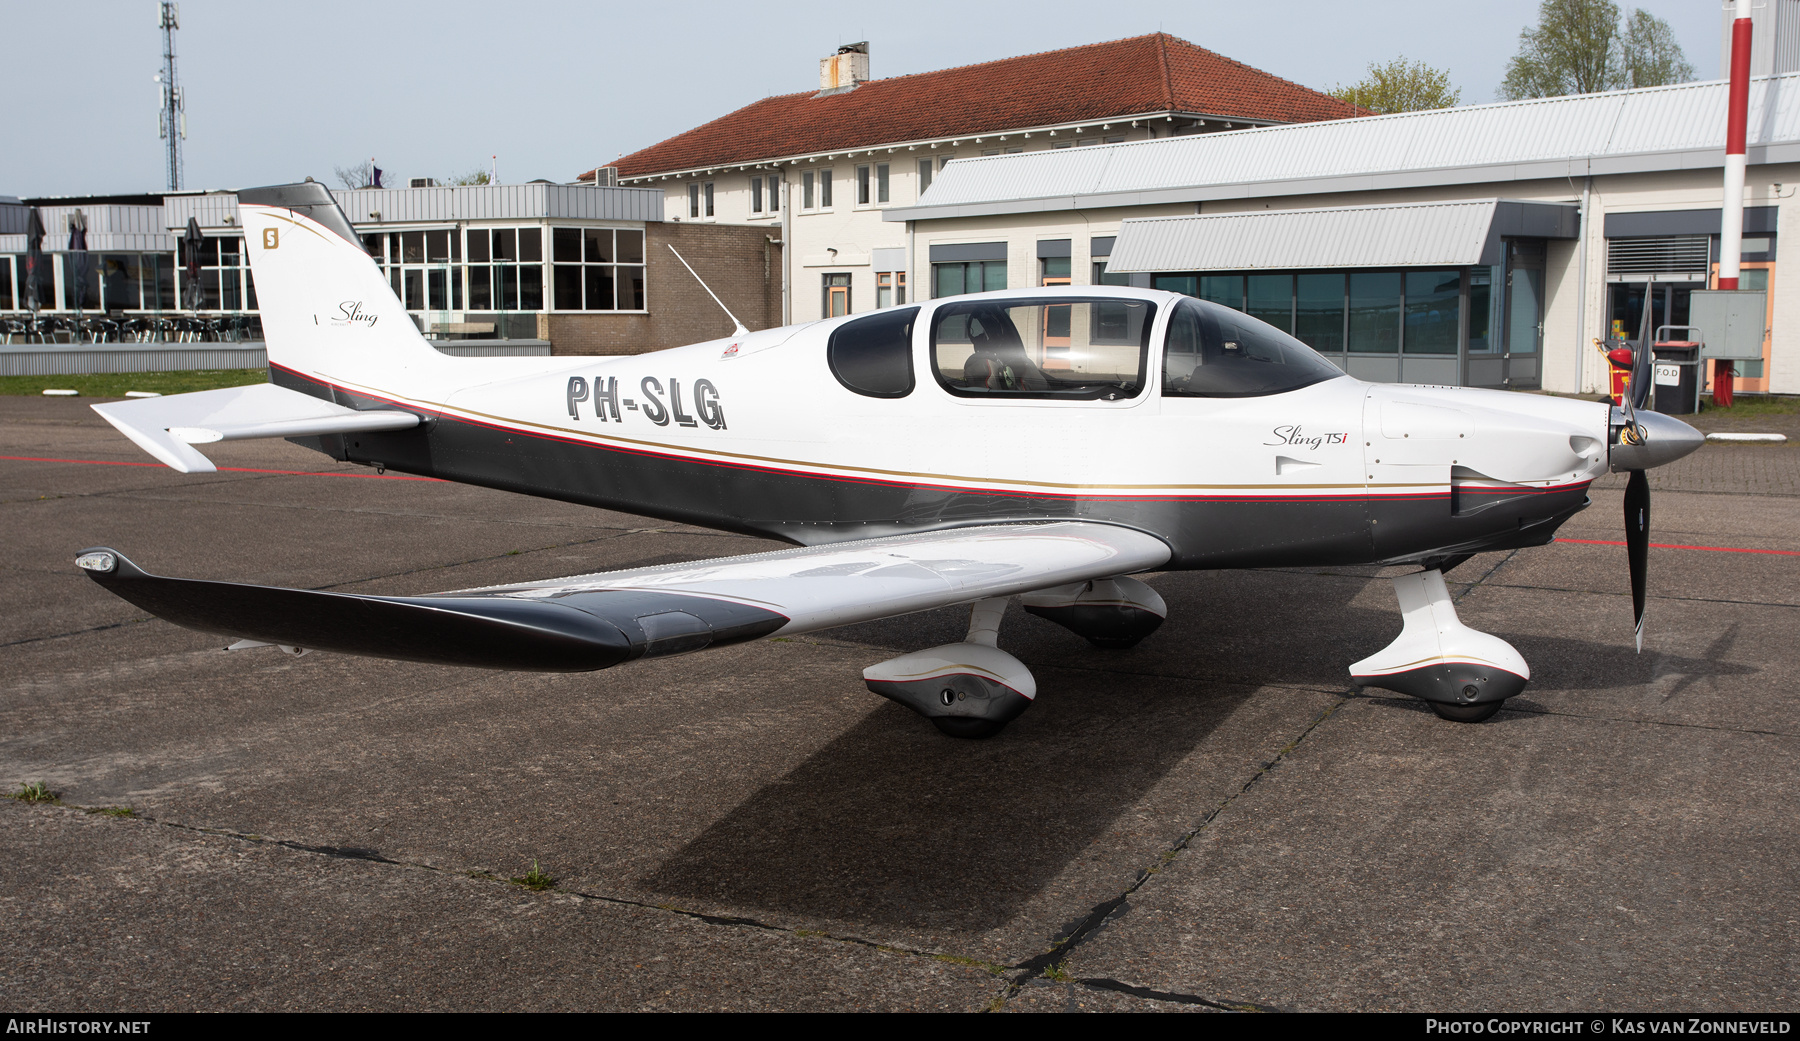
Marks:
<point>817,587</point>
<point>167,427</point>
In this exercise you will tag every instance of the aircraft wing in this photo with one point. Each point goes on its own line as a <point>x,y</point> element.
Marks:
<point>168,427</point>
<point>589,622</point>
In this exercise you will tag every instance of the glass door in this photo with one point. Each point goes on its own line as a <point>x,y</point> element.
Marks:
<point>1524,335</point>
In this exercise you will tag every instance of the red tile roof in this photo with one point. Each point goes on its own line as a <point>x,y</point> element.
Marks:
<point>1144,74</point>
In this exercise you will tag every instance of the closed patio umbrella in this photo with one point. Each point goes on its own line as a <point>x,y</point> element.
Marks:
<point>193,240</point>
<point>78,262</point>
<point>34,259</point>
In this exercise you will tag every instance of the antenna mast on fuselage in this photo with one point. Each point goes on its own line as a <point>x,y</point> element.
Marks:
<point>739,329</point>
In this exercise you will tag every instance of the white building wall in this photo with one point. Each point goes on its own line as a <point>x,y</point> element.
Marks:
<point>1784,346</point>
<point>857,231</point>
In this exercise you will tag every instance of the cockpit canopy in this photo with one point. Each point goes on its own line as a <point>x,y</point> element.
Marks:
<point>1056,347</point>
<point>1074,348</point>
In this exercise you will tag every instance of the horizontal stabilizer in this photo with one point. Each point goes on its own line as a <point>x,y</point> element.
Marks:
<point>166,427</point>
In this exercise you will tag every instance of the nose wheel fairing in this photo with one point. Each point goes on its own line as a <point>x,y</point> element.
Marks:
<point>1438,659</point>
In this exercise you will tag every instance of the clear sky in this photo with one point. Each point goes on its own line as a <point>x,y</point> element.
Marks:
<point>277,92</point>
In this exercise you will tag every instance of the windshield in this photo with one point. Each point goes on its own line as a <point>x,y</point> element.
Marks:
<point>1212,351</point>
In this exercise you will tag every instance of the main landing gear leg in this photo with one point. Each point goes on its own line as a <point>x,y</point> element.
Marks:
<point>968,689</point>
<point>1463,674</point>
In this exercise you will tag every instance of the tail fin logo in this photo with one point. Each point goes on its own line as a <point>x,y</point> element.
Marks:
<point>271,238</point>
<point>351,313</point>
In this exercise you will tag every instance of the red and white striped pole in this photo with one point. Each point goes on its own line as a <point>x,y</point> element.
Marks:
<point>1731,238</point>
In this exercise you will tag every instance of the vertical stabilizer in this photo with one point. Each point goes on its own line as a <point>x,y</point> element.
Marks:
<point>326,309</point>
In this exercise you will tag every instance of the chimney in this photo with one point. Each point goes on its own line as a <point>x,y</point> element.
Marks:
<point>845,69</point>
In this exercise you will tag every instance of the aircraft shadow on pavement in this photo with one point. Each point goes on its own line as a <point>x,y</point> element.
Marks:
<point>893,824</point>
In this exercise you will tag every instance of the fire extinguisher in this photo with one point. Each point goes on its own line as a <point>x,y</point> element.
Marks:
<point>1620,360</point>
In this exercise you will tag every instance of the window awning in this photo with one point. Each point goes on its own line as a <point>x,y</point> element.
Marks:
<point>1432,234</point>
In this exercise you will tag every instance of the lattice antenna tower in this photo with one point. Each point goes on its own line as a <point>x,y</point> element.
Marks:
<point>171,120</point>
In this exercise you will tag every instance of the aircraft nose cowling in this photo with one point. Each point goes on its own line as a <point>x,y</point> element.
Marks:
<point>1664,440</point>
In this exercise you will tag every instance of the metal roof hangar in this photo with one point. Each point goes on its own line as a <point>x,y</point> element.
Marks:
<point>1486,245</point>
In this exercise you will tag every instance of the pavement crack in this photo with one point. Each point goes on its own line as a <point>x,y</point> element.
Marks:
<point>477,875</point>
<point>1489,573</point>
<point>74,632</point>
<point>1104,983</point>
<point>1048,965</point>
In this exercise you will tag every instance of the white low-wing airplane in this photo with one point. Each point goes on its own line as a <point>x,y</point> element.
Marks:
<point>1043,444</point>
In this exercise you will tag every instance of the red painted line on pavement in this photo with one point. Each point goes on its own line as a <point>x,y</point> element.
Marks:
<point>227,469</point>
<point>1708,549</point>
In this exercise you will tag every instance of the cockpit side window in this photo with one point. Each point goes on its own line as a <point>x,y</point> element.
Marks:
<point>1055,347</point>
<point>873,355</point>
<point>1211,351</point>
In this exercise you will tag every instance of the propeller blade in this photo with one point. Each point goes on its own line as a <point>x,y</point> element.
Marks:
<point>1637,543</point>
<point>1640,359</point>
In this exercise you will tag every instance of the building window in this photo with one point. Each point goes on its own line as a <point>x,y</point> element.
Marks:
<point>774,195</point>
<point>836,295</point>
<point>693,202</point>
<point>6,284</point>
<point>139,282</point>
<point>1433,311</point>
<point>973,277</point>
<point>756,204</point>
<point>506,269</point>
<point>1375,312</point>
<point>1319,311</point>
<point>425,269</point>
<point>1102,277</point>
<point>598,269</point>
<point>707,194</point>
<point>824,189</point>
<point>1055,271</point>
<point>890,288</point>
<point>806,190</point>
<point>924,175</point>
<point>1270,298</point>
<point>872,184</point>
<point>224,276</point>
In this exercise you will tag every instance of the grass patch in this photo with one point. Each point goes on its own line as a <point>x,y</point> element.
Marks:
<point>1757,405</point>
<point>36,791</point>
<point>112,811</point>
<point>115,384</point>
<point>973,963</point>
<point>534,880</point>
<point>1056,972</point>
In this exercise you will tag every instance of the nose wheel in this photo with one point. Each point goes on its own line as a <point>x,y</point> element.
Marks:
<point>1466,713</point>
